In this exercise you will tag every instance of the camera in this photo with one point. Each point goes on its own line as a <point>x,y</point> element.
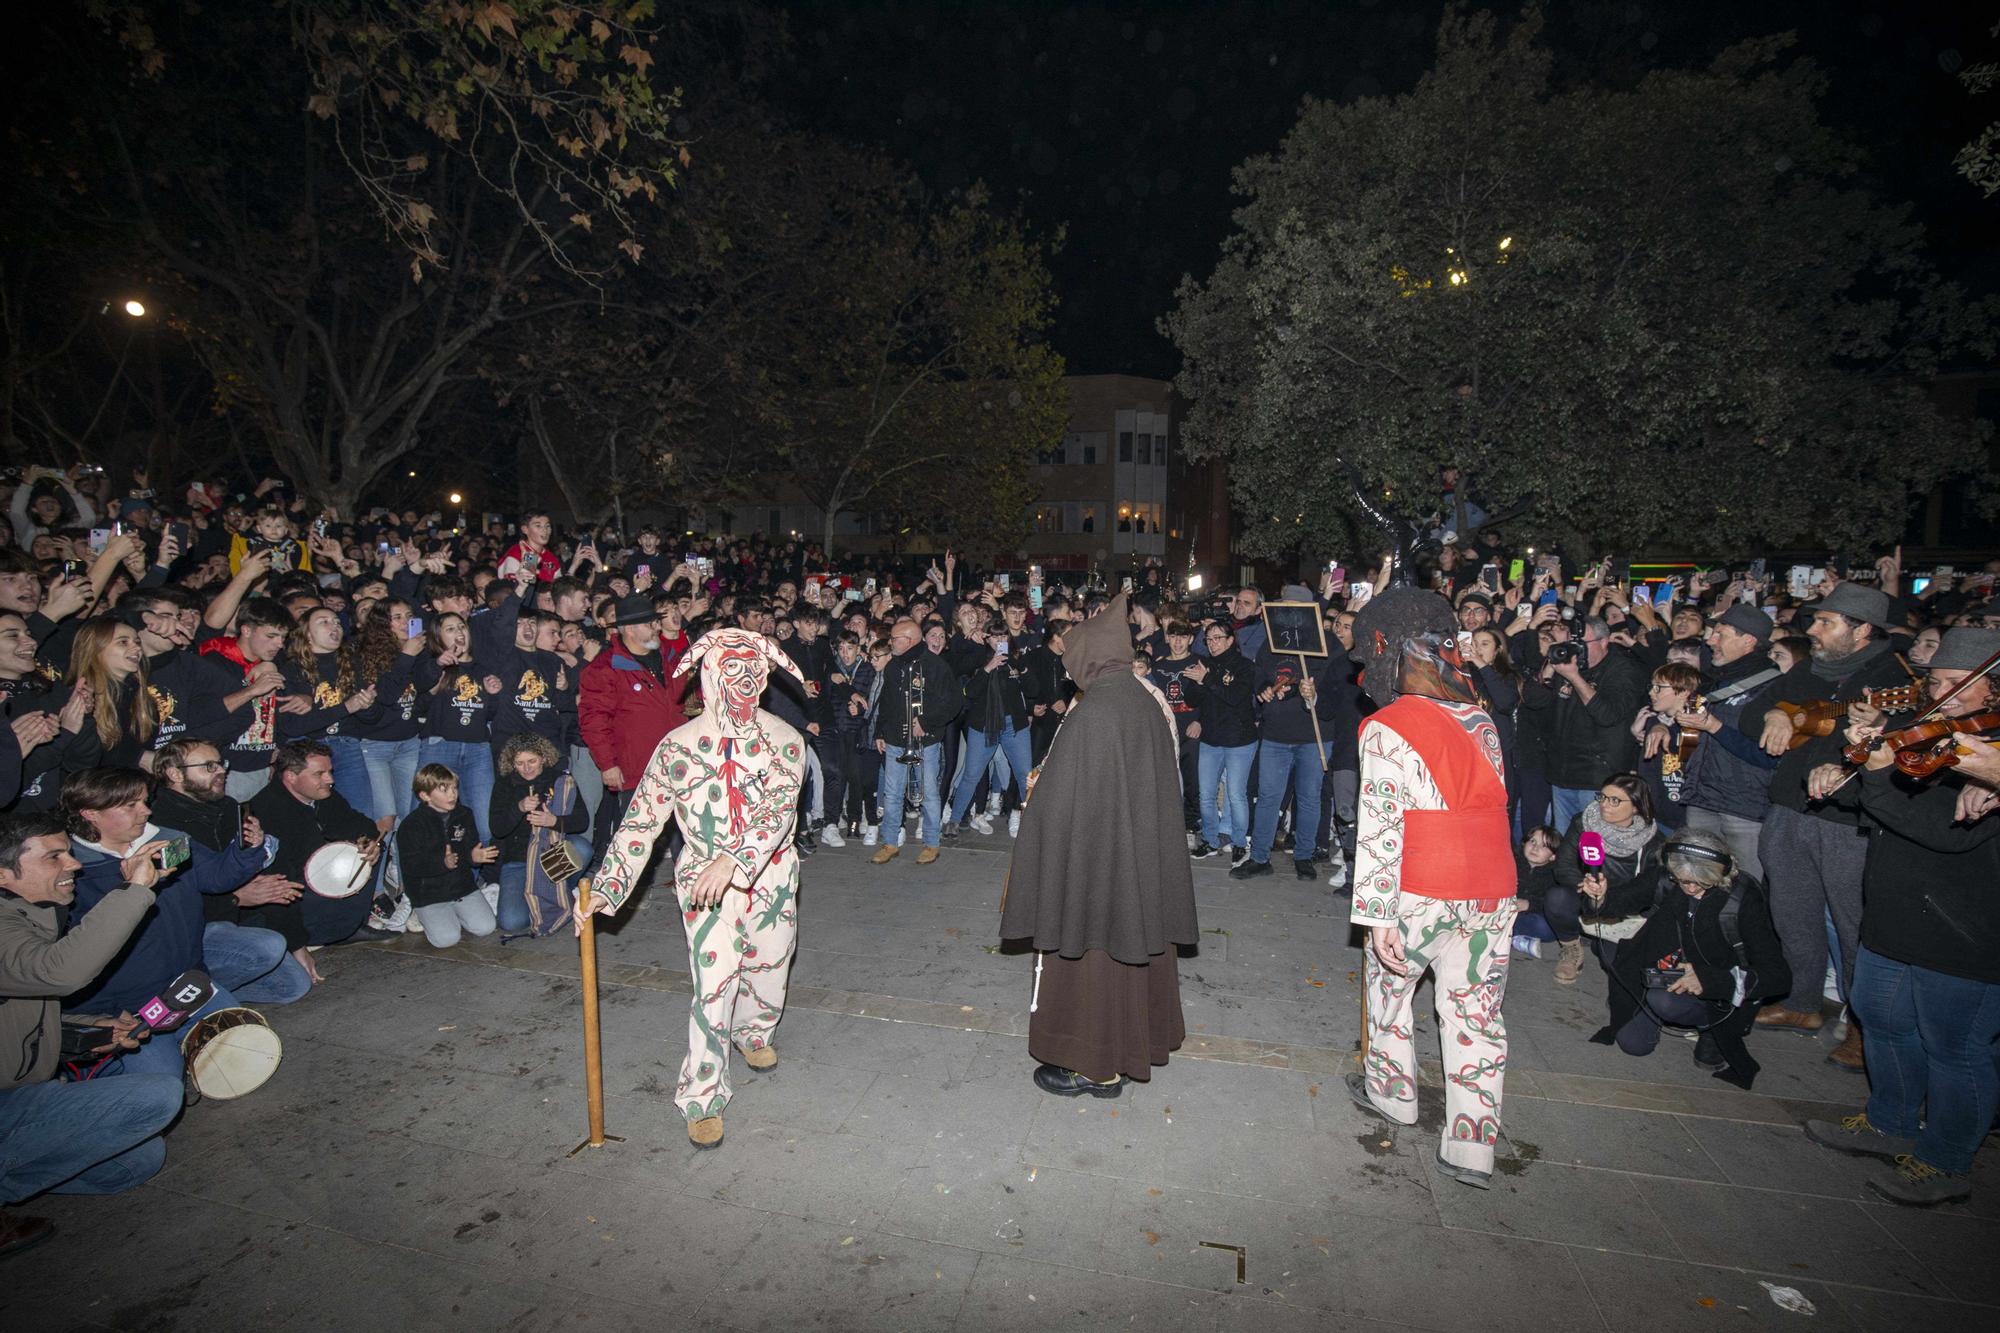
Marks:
<point>1559,653</point>
<point>1659,978</point>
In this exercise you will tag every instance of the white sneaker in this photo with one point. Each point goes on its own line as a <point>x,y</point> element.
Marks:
<point>1014,824</point>
<point>982,823</point>
<point>993,802</point>
<point>414,926</point>
<point>491,893</point>
<point>1527,946</point>
<point>1338,879</point>
<point>868,835</point>
<point>830,836</point>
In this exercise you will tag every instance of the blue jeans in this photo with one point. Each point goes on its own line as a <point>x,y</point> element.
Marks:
<point>473,762</point>
<point>512,913</point>
<point>896,778</point>
<point>1230,762</point>
<point>350,772</point>
<point>392,767</point>
<point>589,785</point>
<point>1278,761</point>
<point>978,753</point>
<point>1569,803</point>
<point>1928,1038</point>
<point>254,964</point>
<point>96,1137</point>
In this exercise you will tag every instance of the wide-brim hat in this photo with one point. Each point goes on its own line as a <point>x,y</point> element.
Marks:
<point>1749,620</point>
<point>1853,600</point>
<point>636,609</point>
<point>1965,649</point>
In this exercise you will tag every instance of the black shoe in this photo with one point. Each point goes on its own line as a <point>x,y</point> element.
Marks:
<point>1202,851</point>
<point>1237,856</point>
<point>1069,1083</point>
<point>1305,870</point>
<point>1249,869</point>
<point>1464,1175</point>
<point>367,935</point>
<point>18,1233</point>
<point>1357,1088</point>
<point>1708,1055</point>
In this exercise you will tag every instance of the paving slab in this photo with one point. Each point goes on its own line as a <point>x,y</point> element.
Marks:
<point>414,1163</point>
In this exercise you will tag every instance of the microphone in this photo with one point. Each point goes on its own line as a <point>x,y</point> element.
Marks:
<point>1590,849</point>
<point>183,995</point>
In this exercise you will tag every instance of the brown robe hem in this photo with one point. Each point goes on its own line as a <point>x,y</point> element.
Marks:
<point>1102,1017</point>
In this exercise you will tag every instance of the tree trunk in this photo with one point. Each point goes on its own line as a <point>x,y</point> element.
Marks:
<point>832,515</point>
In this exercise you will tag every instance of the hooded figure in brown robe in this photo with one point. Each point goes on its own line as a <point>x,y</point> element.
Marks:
<point>1100,883</point>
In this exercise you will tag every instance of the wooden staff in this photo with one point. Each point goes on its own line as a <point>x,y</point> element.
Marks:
<point>593,1051</point>
<point>1362,1058</point>
<point>1312,711</point>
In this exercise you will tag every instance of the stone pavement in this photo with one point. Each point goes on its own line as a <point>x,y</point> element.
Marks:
<point>410,1165</point>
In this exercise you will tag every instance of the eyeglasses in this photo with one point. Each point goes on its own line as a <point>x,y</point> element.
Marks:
<point>202,766</point>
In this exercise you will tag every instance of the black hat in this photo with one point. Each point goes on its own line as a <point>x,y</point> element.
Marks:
<point>1742,616</point>
<point>636,609</point>
<point>1965,649</point>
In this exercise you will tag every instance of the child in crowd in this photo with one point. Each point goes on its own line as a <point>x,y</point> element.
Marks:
<point>531,796</point>
<point>439,845</point>
<point>1535,875</point>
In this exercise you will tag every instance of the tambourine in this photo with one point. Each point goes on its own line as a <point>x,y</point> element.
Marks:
<point>231,1052</point>
<point>337,870</point>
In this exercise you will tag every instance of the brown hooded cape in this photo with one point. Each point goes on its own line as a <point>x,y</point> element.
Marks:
<point>1102,860</point>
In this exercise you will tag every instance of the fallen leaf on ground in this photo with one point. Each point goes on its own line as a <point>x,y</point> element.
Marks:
<point>1313,1091</point>
<point>1317,983</point>
<point>1706,1302</point>
<point>1156,1193</point>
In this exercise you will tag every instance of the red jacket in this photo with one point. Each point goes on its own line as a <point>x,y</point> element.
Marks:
<point>625,712</point>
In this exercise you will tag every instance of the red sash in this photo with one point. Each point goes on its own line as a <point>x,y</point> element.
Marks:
<point>1465,850</point>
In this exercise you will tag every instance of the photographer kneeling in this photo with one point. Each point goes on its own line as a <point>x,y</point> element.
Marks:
<point>1706,958</point>
<point>94,1137</point>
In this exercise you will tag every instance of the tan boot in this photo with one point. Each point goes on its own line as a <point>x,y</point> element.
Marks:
<point>761,1057</point>
<point>927,855</point>
<point>706,1132</point>
<point>1777,1016</point>
<point>1570,965</point>
<point>884,854</point>
<point>1847,1055</point>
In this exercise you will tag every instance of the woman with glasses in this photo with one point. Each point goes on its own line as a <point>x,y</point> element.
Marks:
<point>1604,867</point>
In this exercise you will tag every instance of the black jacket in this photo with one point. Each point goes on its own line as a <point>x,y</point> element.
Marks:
<point>1226,700</point>
<point>1284,721</point>
<point>1629,881</point>
<point>994,698</point>
<point>1929,891</point>
<point>509,823</point>
<point>1697,937</point>
<point>301,830</point>
<point>919,683</point>
<point>421,842</point>
<point>1588,742</point>
<point>1800,685</point>
<point>215,825</point>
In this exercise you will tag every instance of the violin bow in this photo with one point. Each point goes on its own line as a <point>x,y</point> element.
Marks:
<point>1929,714</point>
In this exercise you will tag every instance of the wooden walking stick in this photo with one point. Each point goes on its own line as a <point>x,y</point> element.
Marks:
<point>593,1052</point>
<point>1312,711</point>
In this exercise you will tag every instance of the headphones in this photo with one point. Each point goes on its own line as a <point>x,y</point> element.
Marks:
<point>1694,851</point>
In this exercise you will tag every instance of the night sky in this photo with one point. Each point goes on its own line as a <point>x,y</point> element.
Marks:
<point>1122,123</point>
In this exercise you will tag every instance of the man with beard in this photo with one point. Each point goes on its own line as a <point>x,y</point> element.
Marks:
<point>1815,853</point>
<point>1100,883</point>
<point>1728,776</point>
<point>1433,876</point>
<point>191,798</point>
<point>626,704</point>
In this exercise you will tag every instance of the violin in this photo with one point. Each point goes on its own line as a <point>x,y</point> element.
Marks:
<point>1926,747</point>
<point>1823,717</point>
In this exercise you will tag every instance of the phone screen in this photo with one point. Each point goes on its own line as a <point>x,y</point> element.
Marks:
<point>174,854</point>
<point>1919,585</point>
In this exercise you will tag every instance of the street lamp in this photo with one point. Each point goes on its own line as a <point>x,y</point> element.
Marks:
<point>136,309</point>
<point>456,498</point>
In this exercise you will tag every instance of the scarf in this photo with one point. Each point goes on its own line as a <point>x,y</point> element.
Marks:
<point>1839,669</point>
<point>1619,842</point>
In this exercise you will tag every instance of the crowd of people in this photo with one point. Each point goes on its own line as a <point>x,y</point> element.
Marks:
<point>217,700</point>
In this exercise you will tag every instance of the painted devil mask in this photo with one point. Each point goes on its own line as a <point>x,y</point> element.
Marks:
<point>735,667</point>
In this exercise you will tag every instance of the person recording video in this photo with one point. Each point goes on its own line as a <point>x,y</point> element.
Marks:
<point>100,1136</point>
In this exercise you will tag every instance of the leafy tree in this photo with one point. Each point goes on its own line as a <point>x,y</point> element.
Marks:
<point>344,202</point>
<point>914,383</point>
<point>1673,310</point>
